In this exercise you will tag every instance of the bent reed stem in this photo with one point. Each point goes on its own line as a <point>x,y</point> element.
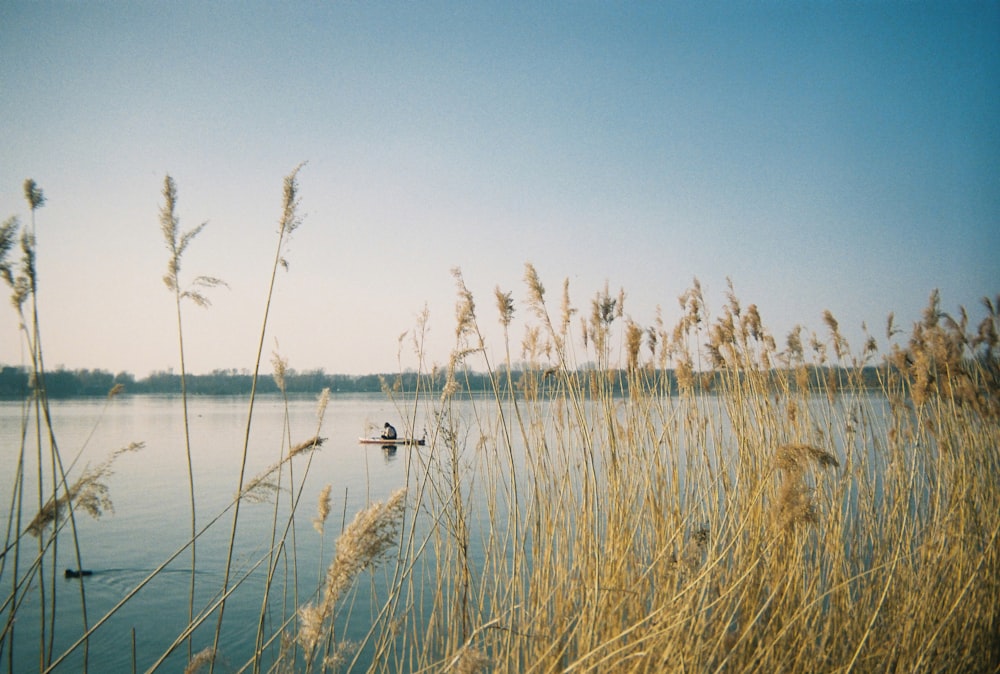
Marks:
<point>287,224</point>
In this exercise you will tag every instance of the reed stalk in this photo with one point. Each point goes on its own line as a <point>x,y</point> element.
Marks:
<point>177,243</point>
<point>23,281</point>
<point>288,222</point>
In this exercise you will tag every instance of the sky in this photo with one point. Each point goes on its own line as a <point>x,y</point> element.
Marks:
<point>822,156</point>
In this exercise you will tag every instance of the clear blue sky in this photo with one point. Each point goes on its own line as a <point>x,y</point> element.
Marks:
<point>841,156</point>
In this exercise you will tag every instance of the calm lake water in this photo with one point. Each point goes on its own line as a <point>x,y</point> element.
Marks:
<point>151,518</point>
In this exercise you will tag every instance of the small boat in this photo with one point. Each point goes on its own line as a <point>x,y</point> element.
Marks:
<point>385,442</point>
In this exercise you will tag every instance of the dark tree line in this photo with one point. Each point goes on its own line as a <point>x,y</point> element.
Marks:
<point>16,382</point>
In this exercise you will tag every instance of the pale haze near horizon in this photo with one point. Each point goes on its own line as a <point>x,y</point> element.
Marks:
<point>823,156</point>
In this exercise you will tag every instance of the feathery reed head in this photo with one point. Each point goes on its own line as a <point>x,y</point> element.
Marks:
<point>24,284</point>
<point>290,219</point>
<point>89,493</point>
<point>751,325</point>
<point>322,509</point>
<point>932,312</point>
<point>692,303</point>
<point>795,504</point>
<point>685,373</point>
<point>451,386</point>
<point>196,296</point>
<point>794,457</point>
<point>604,308</point>
<point>8,239</point>
<point>839,342</point>
<point>34,195</point>
<point>536,291</point>
<point>280,367</point>
<point>465,308</point>
<point>567,309</point>
<point>372,532</point>
<point>341,655</point>
<point>312,619</point>
<point>469,660</point>
<point>169,227</point>
<point>200,660</point>
<point>633,341</point>
<point>324,399</point>
<point>987,331</point>
<point>370,535</point>
<point>262,486</point>
<point>890,327</point>
<point>305,446</point>
<point>505,305</point>
<point>176,243</point>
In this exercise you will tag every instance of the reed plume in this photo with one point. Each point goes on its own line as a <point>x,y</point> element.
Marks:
<point>505,306</point>
<point>89,494</point>
<point>26,281</point>
<point>469,661</point>
<point>633,341</point>
<point>263,486</point>
<point>321,403</point>
<point>536,291</point>
<point>322,509</point>
<point>200,660</point>
<point>372,532</point>
<point>8,239</point>
<point>795,503</point>
<point>280,368</point>
<point>567,310</point>
<point>340,655</point>
<point>177,243</point>
<point>34,195</point>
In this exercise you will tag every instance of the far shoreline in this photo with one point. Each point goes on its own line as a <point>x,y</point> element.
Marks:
<point>16,382</point>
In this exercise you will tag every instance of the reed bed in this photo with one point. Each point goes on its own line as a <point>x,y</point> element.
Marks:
<point>627,498</point>
<point>764,509</point>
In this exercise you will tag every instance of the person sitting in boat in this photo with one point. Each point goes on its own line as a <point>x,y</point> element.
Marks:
<point>388,432</point>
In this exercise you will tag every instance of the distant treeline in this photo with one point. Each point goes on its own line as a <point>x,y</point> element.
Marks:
<point>16,382</point>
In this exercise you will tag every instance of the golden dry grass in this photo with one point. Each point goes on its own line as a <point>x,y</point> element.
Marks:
<point>685,497</point>
<point>779,510</point>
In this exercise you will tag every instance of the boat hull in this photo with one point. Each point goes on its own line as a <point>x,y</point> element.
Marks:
<point>387,443</point>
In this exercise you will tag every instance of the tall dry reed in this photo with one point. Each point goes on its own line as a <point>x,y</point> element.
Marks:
<point>714,501</point>
<point>23,279</point>
<point>288,222</point>
<point>177,243</point>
